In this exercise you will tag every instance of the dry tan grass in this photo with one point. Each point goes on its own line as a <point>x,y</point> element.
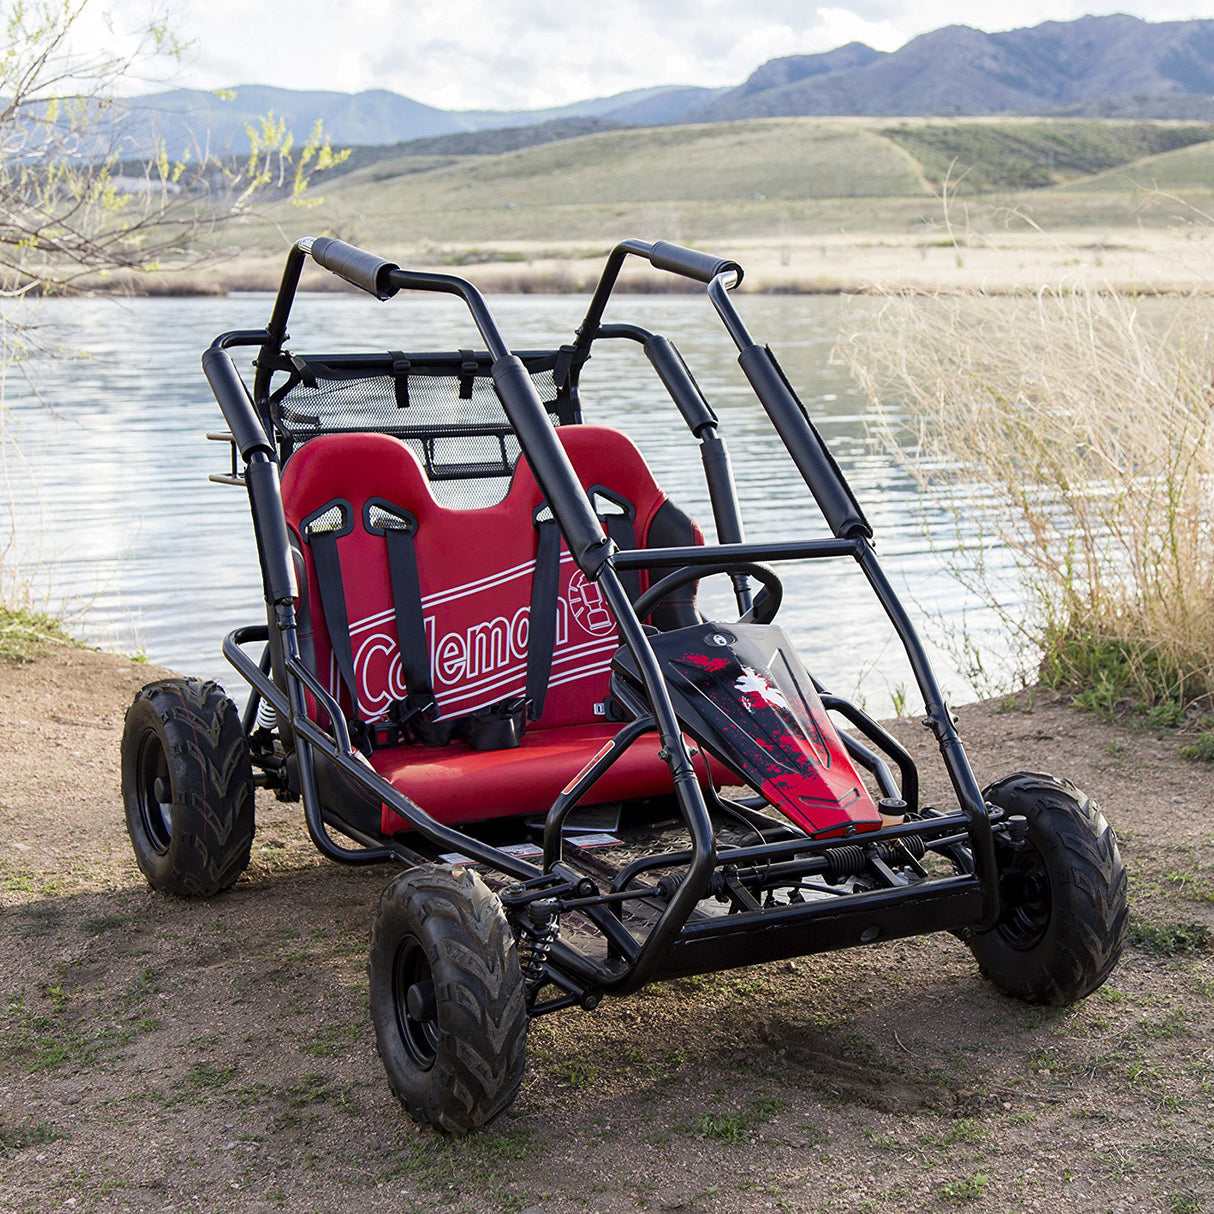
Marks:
<point>1078,430</point>
<point>808,258</point>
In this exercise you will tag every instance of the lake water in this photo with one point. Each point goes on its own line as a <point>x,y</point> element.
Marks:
<point>117,527</point>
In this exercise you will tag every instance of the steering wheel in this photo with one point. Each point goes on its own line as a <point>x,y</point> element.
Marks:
<point>765,606</point>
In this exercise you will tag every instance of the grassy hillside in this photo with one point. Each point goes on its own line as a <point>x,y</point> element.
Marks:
<point>1185,170</point>
<point>689,180</point>
<point>764,176</point>
<point>1030,154</point>
<point>793,158</point>
<point>817,201</point>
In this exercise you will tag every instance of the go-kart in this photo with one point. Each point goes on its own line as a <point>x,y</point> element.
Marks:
<point>484,661</point>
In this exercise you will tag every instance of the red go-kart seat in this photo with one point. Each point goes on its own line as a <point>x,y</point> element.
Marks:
<point>475,569</point>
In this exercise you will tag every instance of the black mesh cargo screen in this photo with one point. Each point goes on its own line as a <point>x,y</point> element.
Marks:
<point>442,406</point>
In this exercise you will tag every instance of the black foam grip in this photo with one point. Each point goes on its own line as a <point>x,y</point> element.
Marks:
<point>361,269</point>
<point>680,383</point>
<point>542,449</point>
<point>811,455</point>
<point>691,263</point>
<point>234,402</point>
<point>269,525</point>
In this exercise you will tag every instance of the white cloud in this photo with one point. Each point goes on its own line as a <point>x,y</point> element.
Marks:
<point>838,26</point>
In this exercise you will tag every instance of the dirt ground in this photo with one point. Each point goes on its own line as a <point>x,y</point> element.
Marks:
<point>159,1054</point>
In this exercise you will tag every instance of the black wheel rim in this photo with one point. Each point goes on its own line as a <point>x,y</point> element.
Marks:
<point>1026,892</point>
<point>153,788</point>
<point>419,1035</point>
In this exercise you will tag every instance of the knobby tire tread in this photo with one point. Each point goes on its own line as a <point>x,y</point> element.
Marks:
<point>1088,881</point>
<point>212,783</point>
<point>479,987</point>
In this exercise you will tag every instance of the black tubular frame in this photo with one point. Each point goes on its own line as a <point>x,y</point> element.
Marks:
<point>676,943</point>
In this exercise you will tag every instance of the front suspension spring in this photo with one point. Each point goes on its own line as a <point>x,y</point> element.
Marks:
<point>539,927</point>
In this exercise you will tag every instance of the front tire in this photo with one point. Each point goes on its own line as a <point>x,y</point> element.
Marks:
<point>1063,888</point>
<point>187,784</point>
<point>447,998</point>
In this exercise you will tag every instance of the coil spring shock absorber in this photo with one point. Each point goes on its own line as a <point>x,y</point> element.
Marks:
<point>539,926</point>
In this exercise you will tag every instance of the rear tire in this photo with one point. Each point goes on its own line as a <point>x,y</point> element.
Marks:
<point>1064,895</point>
<point>447,998</point>
<point>187,784</point>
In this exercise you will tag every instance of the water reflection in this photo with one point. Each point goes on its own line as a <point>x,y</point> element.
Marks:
<point>116,522</point>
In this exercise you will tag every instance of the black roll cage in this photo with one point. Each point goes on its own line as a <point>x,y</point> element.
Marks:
<point>674,946</point>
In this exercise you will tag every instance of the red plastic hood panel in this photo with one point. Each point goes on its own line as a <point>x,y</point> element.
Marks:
<point>742,692</point>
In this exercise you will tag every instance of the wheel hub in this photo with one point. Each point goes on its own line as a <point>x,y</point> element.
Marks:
<point>415,1001</point>
<point>155,794</point>
<point>1027,902</point>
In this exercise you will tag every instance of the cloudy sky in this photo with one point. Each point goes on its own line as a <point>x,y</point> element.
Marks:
<point>514,54</point>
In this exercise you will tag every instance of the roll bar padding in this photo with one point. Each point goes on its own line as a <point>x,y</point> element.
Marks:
<point>235,404</point>
<point>691,263</point>
<point>367,271</point>
<point>580,525</point>
<point>810,454</point>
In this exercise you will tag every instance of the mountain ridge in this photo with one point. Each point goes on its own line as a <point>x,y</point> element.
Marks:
<point>1093,66</point>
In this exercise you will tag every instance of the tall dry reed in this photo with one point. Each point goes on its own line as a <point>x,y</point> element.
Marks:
<point>1077,428</point>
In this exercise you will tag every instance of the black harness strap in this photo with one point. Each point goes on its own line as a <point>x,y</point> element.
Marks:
<point>497,726</point>
<point>541,626</point>
<point>410,622</point>
<point>467,373</point>
<point>304,370</point>
<point>333,604</point>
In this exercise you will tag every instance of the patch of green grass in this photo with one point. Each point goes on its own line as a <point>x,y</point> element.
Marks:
<point>46,1041</point>
<point>1202,749</point>
<point>206,1076</point>
<point>332,1039</point>
<point>965,1129</point>
<point>764,1108</point>
<point>476,1162</point>
<point>17,1136</point>
<point>38,919</point>
<point>731,1127</point>
<point>1186,1203</point>
<point>313,1088</point>
<point>138,989</point>
<point>969,1188</point>
<point>1139,679</point>
<point>736,1125</point>
<point>1169,939</point>
<point>97,925</point>
<point>1177,1024</point>
<point>982,156</point>
<point>26,635</point>
<point>580,1073</point>
<point>1119,679</point>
